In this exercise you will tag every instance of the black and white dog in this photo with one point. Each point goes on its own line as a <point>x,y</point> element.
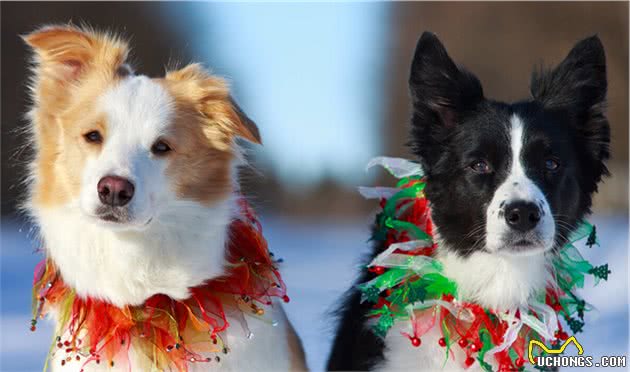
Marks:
<point>507,184</point>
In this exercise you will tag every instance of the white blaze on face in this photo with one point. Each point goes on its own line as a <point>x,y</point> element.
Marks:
<point>137,111</point>
<point>518,187</point>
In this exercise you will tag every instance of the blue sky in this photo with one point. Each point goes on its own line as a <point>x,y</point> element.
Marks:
<point>311,76</point>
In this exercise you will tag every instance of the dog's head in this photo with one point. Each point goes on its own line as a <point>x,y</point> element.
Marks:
<point>509,178</point>
<point>121,148</point>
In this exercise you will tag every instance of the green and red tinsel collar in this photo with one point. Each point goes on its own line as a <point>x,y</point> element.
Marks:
<point>169,333</point>
<point>410,284</point>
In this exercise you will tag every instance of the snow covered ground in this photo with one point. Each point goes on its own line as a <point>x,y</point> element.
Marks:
<point>320,263</point>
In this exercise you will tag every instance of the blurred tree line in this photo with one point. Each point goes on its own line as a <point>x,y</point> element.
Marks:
<point>499,42</point>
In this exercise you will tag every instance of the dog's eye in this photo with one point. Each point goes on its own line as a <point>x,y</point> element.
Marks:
<point>160,148</point>
<point>552,165</point>
<point>480,166</point>
<point>93,137</point>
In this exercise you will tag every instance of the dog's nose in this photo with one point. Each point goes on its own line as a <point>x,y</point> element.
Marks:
<point>115,191</point>
<point>522,215</point>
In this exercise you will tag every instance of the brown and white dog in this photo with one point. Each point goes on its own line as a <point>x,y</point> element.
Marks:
<point>133,184</point>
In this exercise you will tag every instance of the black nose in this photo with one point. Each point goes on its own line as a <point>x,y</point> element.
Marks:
<point>522,215</point>
<point>115,191</point>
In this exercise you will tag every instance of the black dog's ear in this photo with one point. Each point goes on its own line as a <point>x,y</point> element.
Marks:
<point>577,87</point>
<point>577,82</point>
<point>441,93</point>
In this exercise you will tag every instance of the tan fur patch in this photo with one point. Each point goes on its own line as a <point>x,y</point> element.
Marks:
<point>200,169</point>
<point>73,66</point>
<point>204,131</point>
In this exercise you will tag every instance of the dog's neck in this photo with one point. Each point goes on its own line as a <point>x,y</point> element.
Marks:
<point>495,281</point>
<point>174,253</point>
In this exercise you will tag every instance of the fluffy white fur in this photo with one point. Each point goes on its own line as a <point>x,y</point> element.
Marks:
<point>518,186</point>
<point>138,112</point>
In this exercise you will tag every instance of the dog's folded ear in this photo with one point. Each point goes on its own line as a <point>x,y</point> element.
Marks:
<point>247,128</point>
<point>577,87</point>
<point>441,94</point>
<point>210,96</point>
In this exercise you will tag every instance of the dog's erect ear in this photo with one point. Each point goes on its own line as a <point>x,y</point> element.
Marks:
<point>211,97</point>
<point>579,80</point>
<point>441,93</point>
<point>577,87</point>
<point>65,52</point>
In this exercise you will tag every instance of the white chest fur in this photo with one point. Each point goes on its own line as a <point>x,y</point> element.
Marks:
<point>127,267</point>
<point>491,280</point>
<point>172,255</point>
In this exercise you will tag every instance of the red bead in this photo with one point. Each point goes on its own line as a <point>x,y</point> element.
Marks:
<point>476,346</point>
<point>286,298</point>
<point>462,343</point>
<point>33,328</point>
<point>59,345</point>
<point>67,343</point>
<point>469,361</point>
<point>562,335</point>
<point>442,342</point>
<point>519,362</point>
<point>379,270</point>
<point>415,341</point>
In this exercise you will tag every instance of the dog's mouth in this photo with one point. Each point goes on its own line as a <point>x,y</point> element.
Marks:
<point>110,218</point>
<point>523,246</point>
<point>123,222</point>
<point>113,215</point>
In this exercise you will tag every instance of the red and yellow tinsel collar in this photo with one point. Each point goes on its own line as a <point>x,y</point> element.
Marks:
<point>170,333</point>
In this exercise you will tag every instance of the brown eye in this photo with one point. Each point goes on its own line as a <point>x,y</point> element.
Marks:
<point>552,165</point>
<point>160,148</point>
<point>93,137</point>
<point>480,166</point>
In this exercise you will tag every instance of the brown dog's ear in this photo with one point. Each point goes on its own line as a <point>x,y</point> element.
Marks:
<point>65,52</point>
<point>211,97</point>
<point>65,56</point>
<point>62,51</point>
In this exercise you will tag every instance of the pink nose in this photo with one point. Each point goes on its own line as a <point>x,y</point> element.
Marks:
<point>115,191</point>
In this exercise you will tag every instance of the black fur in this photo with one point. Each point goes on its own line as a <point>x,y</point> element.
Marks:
<point>453,125</point>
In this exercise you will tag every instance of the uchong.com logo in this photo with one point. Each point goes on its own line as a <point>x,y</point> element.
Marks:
<point>551,358</point>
